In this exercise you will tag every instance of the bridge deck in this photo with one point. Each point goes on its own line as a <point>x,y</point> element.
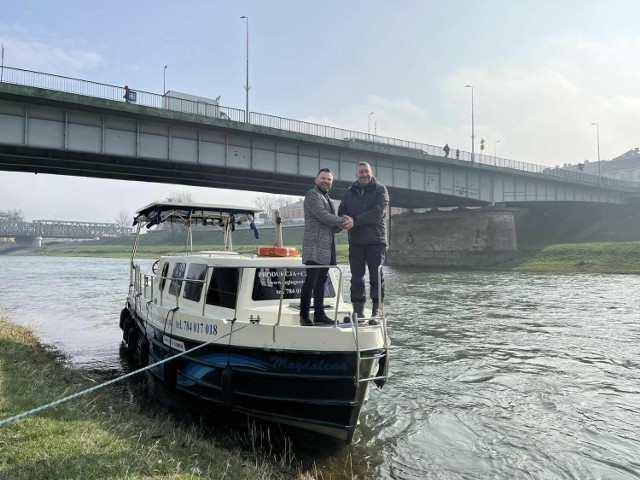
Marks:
<point>51,130</point>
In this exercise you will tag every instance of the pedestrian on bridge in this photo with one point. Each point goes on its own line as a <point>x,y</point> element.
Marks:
<point>366,203</point>
<point>446,150</point>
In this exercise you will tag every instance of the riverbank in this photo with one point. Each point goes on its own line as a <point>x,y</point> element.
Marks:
<point>104,434</point>
<point>604,257</point>
<point>609,257</point>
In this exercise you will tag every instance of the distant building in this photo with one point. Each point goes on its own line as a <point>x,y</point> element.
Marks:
<point>624,167</point>
<point>294,212</point>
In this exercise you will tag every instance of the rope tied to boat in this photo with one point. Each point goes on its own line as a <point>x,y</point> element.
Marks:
<point>55,403</point>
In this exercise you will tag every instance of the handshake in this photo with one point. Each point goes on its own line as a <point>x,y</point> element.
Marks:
<point>348,222</point>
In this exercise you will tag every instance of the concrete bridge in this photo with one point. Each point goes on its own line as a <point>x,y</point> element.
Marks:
<point>66,126</point>
<point>59,125</point>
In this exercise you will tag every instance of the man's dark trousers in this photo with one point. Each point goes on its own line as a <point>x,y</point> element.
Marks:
<point>371,257</point>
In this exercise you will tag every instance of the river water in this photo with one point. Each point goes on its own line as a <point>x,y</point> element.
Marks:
<point>493,374</point>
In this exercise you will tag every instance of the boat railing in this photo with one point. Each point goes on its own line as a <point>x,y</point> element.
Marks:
<point>379,316</point>
<point>307,267</point>
<point>145,284</point>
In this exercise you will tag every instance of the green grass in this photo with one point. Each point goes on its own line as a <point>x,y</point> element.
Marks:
<point>603,257</point>
<point>103,435</point>
<point>144,251</point>
<point>610,257</point>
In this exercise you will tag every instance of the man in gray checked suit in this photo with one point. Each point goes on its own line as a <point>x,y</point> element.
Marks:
<point>318,246</point>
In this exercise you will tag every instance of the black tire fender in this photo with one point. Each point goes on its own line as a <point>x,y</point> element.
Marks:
<point>143,359</point>
<point>128,323</point>
<point>132,340</point>
<point>123,316</point>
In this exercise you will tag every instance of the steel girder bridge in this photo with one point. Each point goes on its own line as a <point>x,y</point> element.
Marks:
<point>57,229</point>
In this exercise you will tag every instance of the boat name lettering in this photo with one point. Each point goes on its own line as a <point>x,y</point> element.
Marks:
<point>283,363</point>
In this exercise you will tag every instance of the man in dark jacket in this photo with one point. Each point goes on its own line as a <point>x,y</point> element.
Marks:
<point>366,203</point>
<point>318,246</point>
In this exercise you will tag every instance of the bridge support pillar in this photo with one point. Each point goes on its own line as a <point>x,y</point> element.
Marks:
<point>29,242</point>
<point>456,238</point>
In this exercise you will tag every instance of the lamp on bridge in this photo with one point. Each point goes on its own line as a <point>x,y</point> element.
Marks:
<point>247,87</point>
<point>473,135</point>
<point>369,124</point>
<point>598,140</point>
<point>495,144</point>
<point>164,81</point>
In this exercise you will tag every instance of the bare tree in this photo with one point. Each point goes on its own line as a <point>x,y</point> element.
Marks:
<point>124,221</point>
<point>268,202</point>
<point>180,197</point>
<point>13,214</point>
<point>177,197</point>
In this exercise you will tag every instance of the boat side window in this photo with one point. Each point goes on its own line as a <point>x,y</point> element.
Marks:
<point>267,284</point>
<point>223,287</point>
<point>163,276</point>
<point>177,276</point>
<point>196,274</point>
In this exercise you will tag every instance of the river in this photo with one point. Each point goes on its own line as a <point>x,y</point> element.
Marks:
<point>493,374</point>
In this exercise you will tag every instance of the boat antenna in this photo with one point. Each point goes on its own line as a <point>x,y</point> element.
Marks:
<point>227,226</point>
<point>278,242</point>
<point>189,232</point>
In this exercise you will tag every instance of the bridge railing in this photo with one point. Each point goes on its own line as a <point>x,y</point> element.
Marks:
<point>113,92</point>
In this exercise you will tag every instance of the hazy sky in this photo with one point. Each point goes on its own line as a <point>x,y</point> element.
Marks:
<point>542,71</point>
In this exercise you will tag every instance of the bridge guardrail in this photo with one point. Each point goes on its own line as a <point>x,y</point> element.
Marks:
<point>59,229</point>
<point>116,93</point>
<point>113,92</point>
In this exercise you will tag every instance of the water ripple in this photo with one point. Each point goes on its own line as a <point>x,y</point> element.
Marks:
<point>493,375</point>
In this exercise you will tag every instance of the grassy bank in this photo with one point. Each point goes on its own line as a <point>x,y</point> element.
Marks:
<point>581,257</point>
<point>103,435</point>
<point>144,251</point>
<point>609,257</point>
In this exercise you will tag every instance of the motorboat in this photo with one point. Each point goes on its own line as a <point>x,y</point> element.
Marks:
<point>224,327</point>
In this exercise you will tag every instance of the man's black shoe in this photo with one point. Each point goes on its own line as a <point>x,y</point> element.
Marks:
<point>323,319</point>
<point>305,321</point>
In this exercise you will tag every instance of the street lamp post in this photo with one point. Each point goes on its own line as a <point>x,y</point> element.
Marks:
<point>247,87</point>
<point>164,80</point>
<point>369,124</point>
<point>598,140</point>
<point>495,144</point>
<point>473,134</point>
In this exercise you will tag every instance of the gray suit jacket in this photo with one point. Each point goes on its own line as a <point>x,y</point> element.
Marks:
<point>320,225</point>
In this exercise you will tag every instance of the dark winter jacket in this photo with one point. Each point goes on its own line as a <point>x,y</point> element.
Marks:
<point>368,207</point>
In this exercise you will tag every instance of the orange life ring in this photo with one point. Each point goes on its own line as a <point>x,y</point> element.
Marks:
<point>276,251</point>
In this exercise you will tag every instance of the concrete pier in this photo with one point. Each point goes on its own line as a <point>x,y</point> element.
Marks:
<point>28,242</point>
<point>457,238</point>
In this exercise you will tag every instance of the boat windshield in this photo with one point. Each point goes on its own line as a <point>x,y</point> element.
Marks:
<point>267,284</point>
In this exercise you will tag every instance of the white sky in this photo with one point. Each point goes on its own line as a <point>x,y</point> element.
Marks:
<point>542,71</point>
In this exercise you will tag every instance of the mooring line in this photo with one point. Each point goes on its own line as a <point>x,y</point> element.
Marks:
<point>110,382</point>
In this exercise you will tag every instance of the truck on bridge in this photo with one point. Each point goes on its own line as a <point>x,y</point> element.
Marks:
<point>184,102</point>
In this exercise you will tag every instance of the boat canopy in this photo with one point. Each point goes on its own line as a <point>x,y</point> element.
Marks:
<point>195,214</point>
